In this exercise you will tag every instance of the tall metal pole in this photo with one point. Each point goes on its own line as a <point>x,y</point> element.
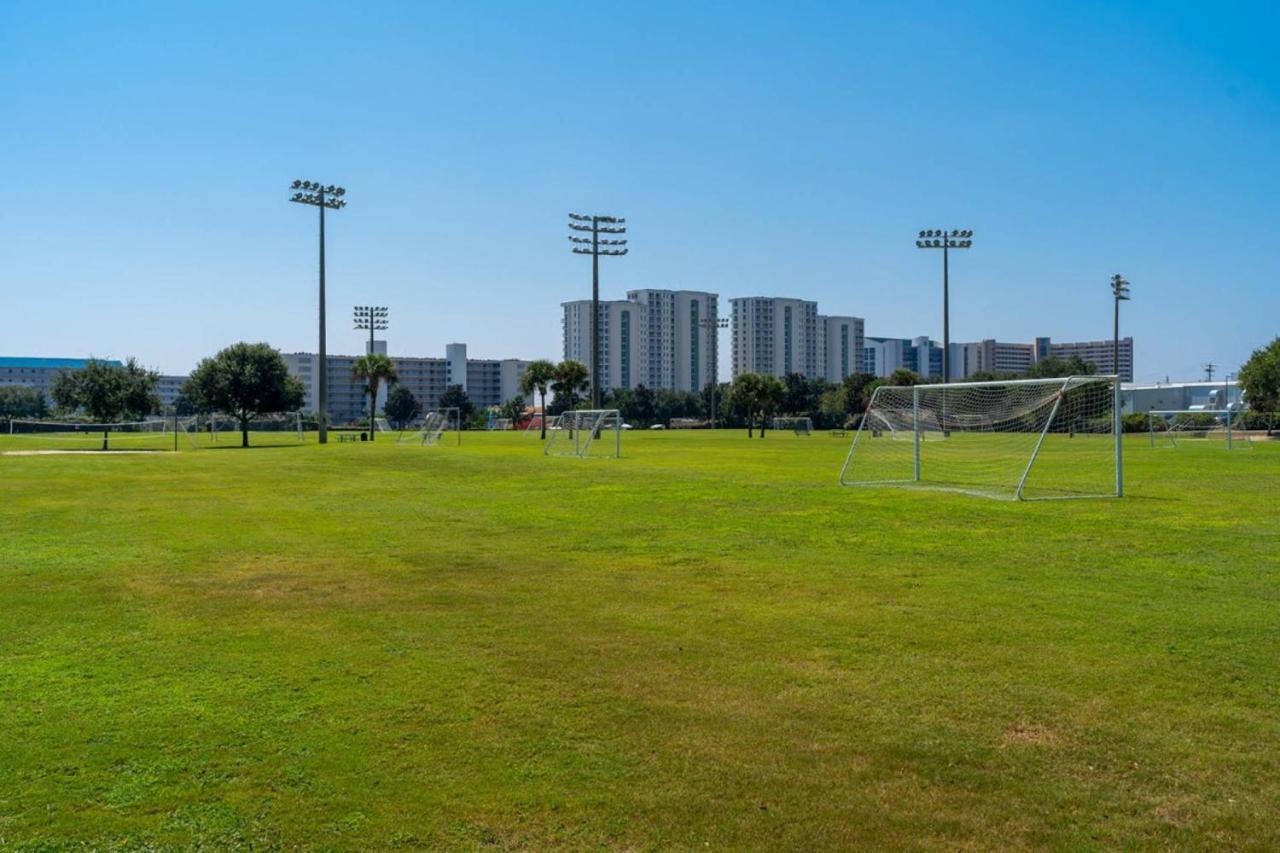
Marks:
<point>1120,291</point>
<point>321,196</point>
<point>937,238</point>
<point>595,247</point>
<point>595,312</point>
<point>323,388</point>
<point>714,324</point>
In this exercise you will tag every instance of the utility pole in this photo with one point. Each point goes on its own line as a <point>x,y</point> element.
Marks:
<point>1209,367</point>
<point>714,325</point>
<point>595,246</point>
<point>939,239</point>
<point>373,318</point>
<point>324,197</point>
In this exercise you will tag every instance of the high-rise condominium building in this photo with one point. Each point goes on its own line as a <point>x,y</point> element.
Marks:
<point>488,382</point>
<point>995,356</point>
<point>775,336</point>
<point>624,344</point>
<point>680,347</point>
<point>882,356</point>
<point>840,346</point>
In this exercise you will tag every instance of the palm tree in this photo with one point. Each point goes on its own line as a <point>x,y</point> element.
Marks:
<point>538,376</point>
<point>572,382</point>
<point>374,369</point>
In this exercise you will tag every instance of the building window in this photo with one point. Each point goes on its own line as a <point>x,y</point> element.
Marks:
<point>626,349</point>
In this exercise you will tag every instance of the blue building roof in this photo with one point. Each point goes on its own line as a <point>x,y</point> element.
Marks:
<point>51,363</point>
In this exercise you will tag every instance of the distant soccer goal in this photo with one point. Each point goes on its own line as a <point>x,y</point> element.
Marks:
<point>1204,427</point>
<point>686,423</point>
<point>381,425</point>
<point>41,435</point>
<point>499,424</point>
<point>586,433</point>
<point>1022,439</point>
<point>219,430</point>
<point>433,428</point>
<point>799,426</point>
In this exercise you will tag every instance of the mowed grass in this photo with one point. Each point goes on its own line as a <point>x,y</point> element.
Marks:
<point>706,643</point>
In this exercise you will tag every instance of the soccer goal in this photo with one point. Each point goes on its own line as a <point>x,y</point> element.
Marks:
<point>1024,439</point>
<point>41,435</point>
<point>381,425</point>
<point>434,426</point>
<point>585,433</point>
<point>800,426</point>
<point>220,430</point>
<point>1204,427</point>
<point>498,424</point>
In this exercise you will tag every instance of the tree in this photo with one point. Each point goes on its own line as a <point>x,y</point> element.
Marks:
<point>757,394</point>
<point>538,377</point>
<point>19,401</point>
<point>572,382</point>
<point>903,376</point>
<point>1052,367</point>
<point>244,381</point>
<point>833,405</point>
<point>108,392</point>
<point>374,369</point>
<point>454,397</point>
<point>773,395</point>
<point>513,409</point>
<point>1260,378</point>
<point>401,406</point>
<point>856,393</point>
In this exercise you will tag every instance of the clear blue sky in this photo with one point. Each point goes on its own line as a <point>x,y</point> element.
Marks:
<point>789,149</point>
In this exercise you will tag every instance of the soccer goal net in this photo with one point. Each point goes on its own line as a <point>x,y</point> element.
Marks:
<point>1217,428</point>
<point>800,426</point>
<point>1021,439</point>
<point>219,430</point>
<point>433,428</point>
<point>498,424</point>
<point>585,433</point>
<point>37,435</point>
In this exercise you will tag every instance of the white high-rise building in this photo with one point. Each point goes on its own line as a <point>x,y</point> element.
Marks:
<point>680,350</point>
<point>775,336</point>
<point>840,345</point>
<point>624,345</point>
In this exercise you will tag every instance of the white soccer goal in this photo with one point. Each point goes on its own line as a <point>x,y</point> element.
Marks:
<point>433,428</point>
<point>220,430</point>
<point>534,425</point>
<point>586,432</point>
<point>1208,427</point>
<point>155,434</point>
<point>800,426</point>
<point>1023,439</point>
<point>381,425</point>
<point>500,424</point>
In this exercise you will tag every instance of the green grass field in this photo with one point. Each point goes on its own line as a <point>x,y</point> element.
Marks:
<point>706,643</point>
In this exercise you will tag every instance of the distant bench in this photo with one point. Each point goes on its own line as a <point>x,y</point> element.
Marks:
<point>348,436</point>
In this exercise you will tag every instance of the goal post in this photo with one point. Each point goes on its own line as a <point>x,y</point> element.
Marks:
<point>221,430</point>
<point>155,434</point>
<point>797,425</point>
<point>586,433</point>
<point>1172,428</point>
<point>434,426</point>
<point>1028,439</point>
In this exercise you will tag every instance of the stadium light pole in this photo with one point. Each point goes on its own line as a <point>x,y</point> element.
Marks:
<point>714,325</point>
<point>373,318</point>
<point>326,198</point>
<point>936,238</point>
<point>596,246</point>
<point>1120,292</point>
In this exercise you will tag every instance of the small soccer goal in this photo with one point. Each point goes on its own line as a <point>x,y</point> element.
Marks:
<point>586,433</point>
<point>434,426</point>
<point>1030,439</point>
<point>54,436</point>
<point>799,426</point>
<point>1204,428</point>
<point>500,424</point>
<point>219,430</point>
<point>381,425</point>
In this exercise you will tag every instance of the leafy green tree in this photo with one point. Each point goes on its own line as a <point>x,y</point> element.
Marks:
<point>374,369</point>
<point>19,401</point>
<point>856,393</point>
<point>904,376</point>
<point>1260,378</point>
<point>513,409</point>
<point>571,385</point>
<point>454,397</point>
<point>833,405</point>
<point>107,392</point>
<point>244,381</point>
<point>1053,367</point>
<point>669,404</point>
<point>538,377</point>
<point>773,395</point>
<point>401,406</point>
<point>757,394</point>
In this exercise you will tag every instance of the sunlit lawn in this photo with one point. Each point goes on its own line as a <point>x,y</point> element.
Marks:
<point>706,642</point>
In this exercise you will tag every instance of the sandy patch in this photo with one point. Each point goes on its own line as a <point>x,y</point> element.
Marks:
<point>77,452</point>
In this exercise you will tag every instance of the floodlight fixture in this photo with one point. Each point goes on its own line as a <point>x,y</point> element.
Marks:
<point>938,238</point>
<point>596,224</point>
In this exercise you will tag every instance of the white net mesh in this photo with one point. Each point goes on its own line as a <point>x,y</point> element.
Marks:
<point>586,433</point>
<point>433,428</point>
<point>1197,428</point>
<point>219,430</point>
<point>1021,439</point>
<point>153,434</point>
<point>799,426</point>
